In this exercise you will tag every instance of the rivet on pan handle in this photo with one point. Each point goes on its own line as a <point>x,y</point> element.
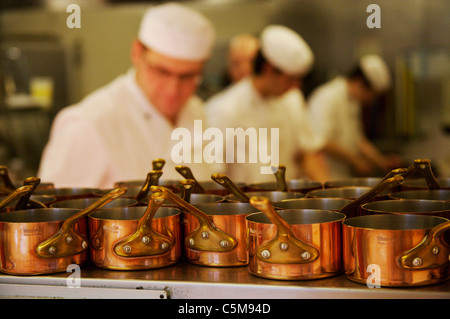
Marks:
<point>145,241</point>
<point>284,248</point>
<point>207,237</point>
<point>280,175</point>
<point>226,183</point>
<point>430,253</point>
<point>67,241</point>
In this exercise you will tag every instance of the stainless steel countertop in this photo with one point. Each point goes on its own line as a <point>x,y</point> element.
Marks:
<point>188,281</point>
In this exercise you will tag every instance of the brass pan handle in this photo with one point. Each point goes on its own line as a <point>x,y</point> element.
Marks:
<point>186,188</point>
<point>67,241</point>
<point>19,192</point>
<point>152,179</point>
<point>280,175</point>
<point>430,253</point>
<point>284,248</point>
<point>23,201</point>
<point>424,167</point>
<point>145,241</point>
<point>385,184</point>
<point>226,182</point>
<point>207,237</point>
<point>158,164</point>
<point>187,173</point>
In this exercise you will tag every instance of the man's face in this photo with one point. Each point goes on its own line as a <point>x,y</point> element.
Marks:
<point>167,82</point>
<point>281,83</point>
<point>364,94</point>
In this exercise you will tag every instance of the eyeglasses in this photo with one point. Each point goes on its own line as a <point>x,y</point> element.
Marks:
<point>165,75</point>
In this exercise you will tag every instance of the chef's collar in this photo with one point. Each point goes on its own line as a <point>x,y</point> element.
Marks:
<point>146,108</point>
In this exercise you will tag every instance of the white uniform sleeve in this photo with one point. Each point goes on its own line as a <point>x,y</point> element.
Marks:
<point>67,160</point>
<point>320,113</point>
<point>308,138</point>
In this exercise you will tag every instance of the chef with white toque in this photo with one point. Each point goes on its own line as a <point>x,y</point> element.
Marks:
<point>270,98</point>
<point>114,133</point>
<point>335,111</point>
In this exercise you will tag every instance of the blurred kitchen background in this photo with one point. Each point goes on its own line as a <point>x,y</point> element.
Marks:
<point>45,66</point>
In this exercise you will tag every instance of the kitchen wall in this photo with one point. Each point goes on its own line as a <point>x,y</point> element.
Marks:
<point>413,37</point>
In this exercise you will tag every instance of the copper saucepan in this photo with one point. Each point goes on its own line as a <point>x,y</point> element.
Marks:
<point>133,238</point>
<point>396,250</point>
<point>41,241</point>
<point>208,244</point>
<point>229,217</point>
<point>293,244</point>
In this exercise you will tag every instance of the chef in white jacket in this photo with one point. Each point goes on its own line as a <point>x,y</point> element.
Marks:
<point>114,133</point>
<point>335,111</point>
<point>270,98</point>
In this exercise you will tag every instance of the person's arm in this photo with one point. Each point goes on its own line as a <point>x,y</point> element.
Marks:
<point>370,151</point>
<point>359,163</point>
<point>314,166</point>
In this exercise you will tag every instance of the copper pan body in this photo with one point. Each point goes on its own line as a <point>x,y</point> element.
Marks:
<point>320,229</point>
<point>396,250</point>
<point>230,218</point>
<point>110,225</point>
<point>22,231</point>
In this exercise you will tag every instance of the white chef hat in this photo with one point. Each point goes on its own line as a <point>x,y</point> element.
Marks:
<point>286,50</point>
<point>177,31</point>
<point>376,71</point>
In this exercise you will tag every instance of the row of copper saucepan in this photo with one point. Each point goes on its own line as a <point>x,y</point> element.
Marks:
<point>398,242</point>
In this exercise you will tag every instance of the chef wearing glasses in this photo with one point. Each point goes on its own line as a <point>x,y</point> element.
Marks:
<point>114,133</point>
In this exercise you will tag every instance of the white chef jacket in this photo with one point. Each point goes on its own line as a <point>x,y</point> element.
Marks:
<point>240,105</point>
<point>113,135</point>
<point>337,116</point>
